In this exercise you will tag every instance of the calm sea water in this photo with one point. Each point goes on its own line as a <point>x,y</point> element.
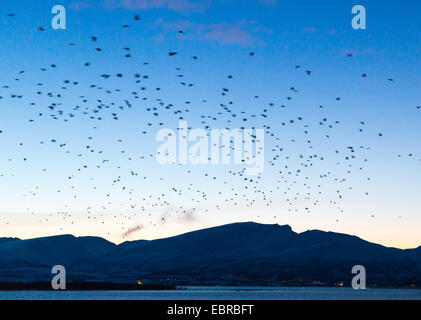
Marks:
<point>222,293</point>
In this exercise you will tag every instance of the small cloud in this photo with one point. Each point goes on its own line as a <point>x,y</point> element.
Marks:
<point>310,29</point>
<point>183,5</point>
<point>354,53</point>
<point>173,5</point>
<point>80,5</point>
<point>268,2</point>
<point>165,214</point>
<point>182,215</point>
<point>190,215</point>
<point>226,33</point>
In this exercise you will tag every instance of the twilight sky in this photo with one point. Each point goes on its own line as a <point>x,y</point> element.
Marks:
<point>78,147</point>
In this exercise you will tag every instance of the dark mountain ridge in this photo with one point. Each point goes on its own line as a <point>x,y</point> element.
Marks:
<point>238,253</point>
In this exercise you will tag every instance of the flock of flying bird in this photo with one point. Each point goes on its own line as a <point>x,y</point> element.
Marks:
<point>296,182</point>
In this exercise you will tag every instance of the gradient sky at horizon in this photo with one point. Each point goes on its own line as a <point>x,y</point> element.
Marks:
<point>315,35</point>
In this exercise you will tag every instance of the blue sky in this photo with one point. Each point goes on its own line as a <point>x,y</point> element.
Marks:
<point>57,191</point>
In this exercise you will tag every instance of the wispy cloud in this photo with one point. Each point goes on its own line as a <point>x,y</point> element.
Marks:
<point>243,32</point>
<point>310,29</point>
<point>132,230</point>
<point>227,33</point>
<point>357,52</point>
<point>174,5</point>
<point>171,5</point>
<point>182,215</point>
<point>268,2</point>
<point>80,5</point>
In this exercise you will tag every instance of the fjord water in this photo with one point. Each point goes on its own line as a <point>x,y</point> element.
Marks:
<point>222,293</point>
